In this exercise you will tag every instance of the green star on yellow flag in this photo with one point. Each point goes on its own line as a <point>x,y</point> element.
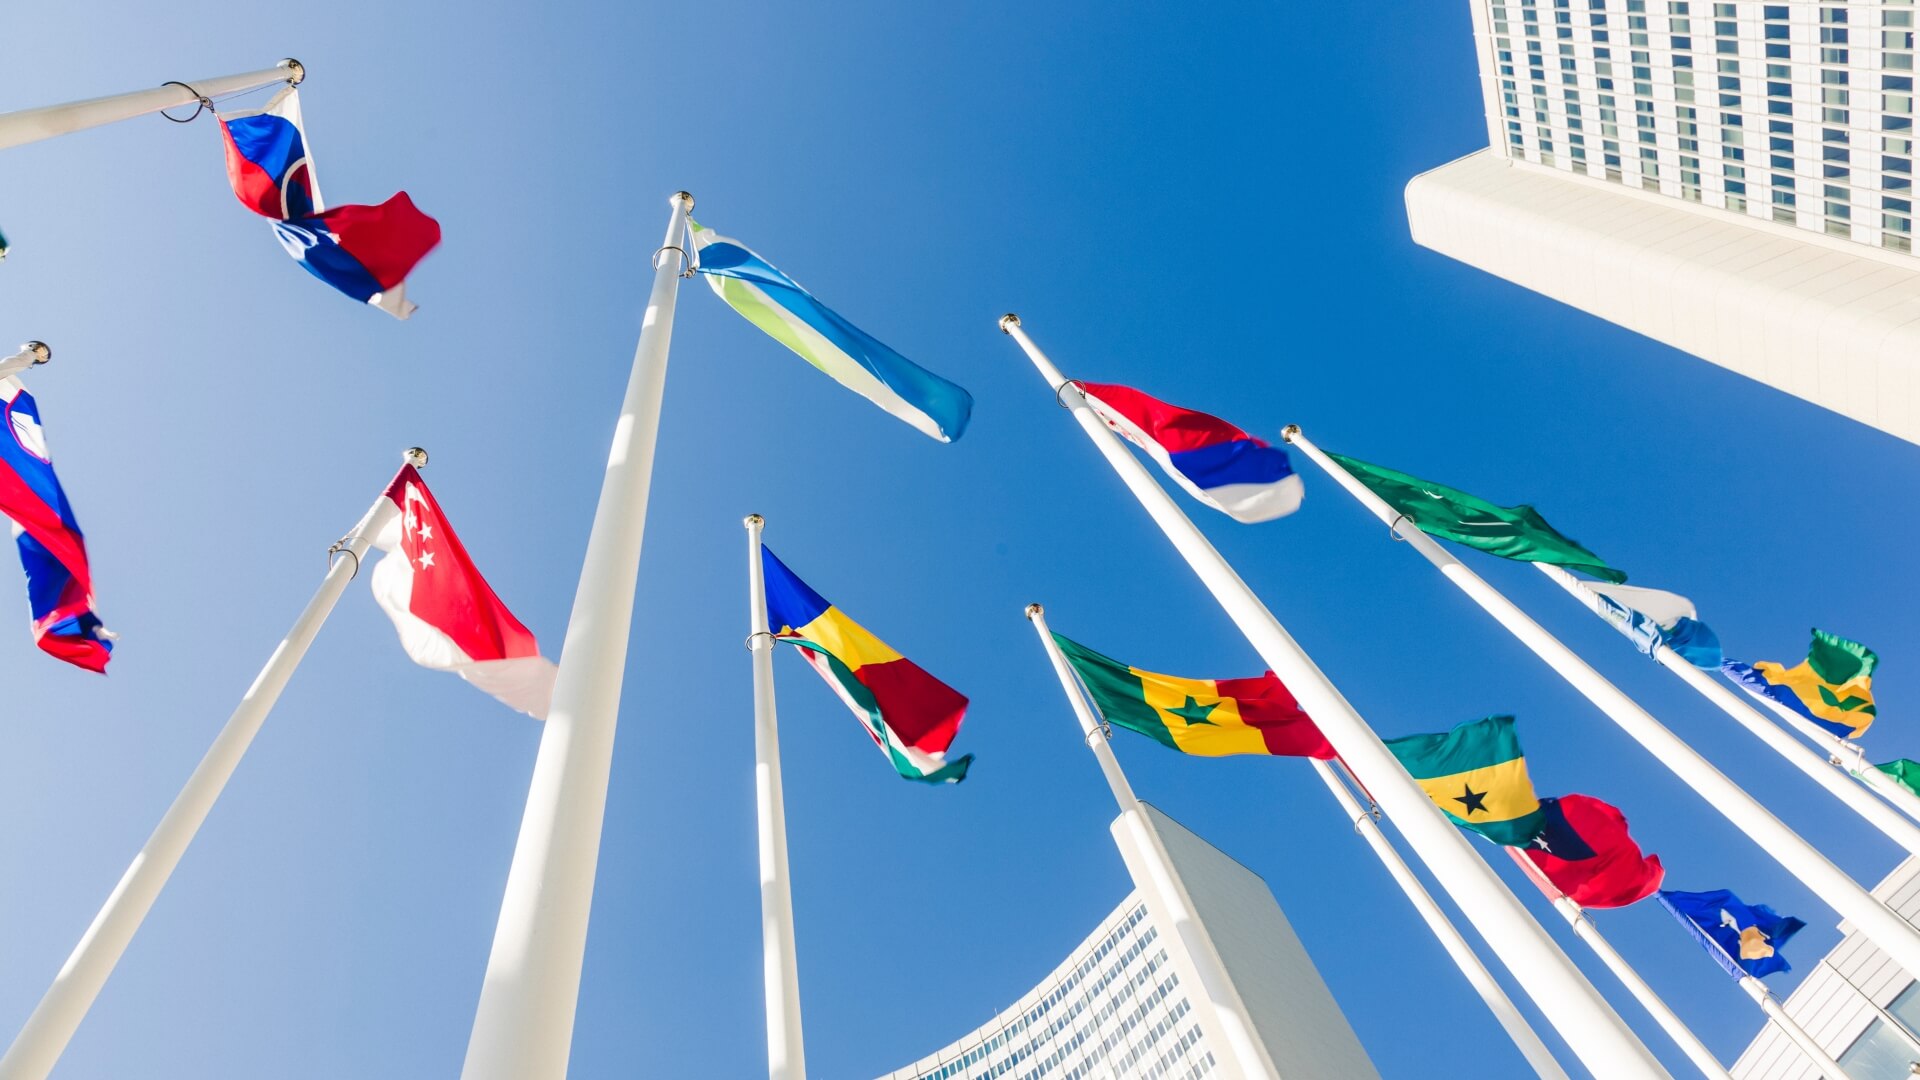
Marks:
<point>1478,776</point>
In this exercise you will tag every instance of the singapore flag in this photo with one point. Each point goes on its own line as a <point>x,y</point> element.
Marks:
<point>448,616</point>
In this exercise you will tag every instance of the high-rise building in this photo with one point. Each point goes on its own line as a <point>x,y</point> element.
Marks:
<point>1733,179</point>
<point>1128,1002</point>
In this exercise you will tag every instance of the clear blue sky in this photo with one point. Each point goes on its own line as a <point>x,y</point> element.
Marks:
<point>1204,205</point>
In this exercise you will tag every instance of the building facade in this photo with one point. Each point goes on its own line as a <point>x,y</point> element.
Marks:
<point>1857,1004</point>
<point>1735,179</point>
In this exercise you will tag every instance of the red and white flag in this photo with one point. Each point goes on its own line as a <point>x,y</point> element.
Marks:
<point>448,616</point>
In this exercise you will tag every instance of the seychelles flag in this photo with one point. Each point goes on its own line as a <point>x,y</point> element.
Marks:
<point>52,550</point>
<point>363,251</point>
<point>1216,462</point>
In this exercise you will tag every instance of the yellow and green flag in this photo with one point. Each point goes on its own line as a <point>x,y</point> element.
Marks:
<point>1478,776</point>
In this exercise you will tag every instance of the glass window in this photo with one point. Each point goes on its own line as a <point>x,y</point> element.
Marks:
<point>1879,1053</point>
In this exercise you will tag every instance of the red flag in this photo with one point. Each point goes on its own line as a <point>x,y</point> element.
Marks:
<point>1584,850</point>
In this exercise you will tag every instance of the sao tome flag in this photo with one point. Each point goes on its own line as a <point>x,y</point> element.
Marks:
<point>1478,776</point>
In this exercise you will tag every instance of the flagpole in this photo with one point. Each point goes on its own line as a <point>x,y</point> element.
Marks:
<point>1895,935</point>
<point>1596,1034</point>
<point>779,963</point>
<point>31,354</point>
<point>1776,1012</point>
<point>33,125</point>
<point>1823,772</point>
<point>1844,750</point>
<point>1525,1039</point>
<point>523,1027</point>
<point>38,1046</point>
<point>1586,931</point>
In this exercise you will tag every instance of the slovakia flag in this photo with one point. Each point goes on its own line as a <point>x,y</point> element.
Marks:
<point>52,551</point>
<point>448,616</point>
<point>364,251</point>
<point>1222,466</point>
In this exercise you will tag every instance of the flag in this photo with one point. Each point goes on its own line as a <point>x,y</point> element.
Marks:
<point>1744,940</point>
<point>1833,686</point>
<point>1584,850</point>
<point>1207,717</point>
<point>1478,776</point>
<point>1511,532</point>
<point>52,550</point>
<point>363,251</point>
<point>1650,617</point>
<point>3,247</point>
<point>847,354</point>
<point>1905,772</point>
<point>911,716</point>
<point>1217,463</point>
<point>448,616</point>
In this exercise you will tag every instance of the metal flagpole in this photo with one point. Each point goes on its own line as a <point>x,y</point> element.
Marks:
<point>30,355</point>
<point>1525,1039</point>
<point>1895,935</point>
<point>1776,1012</point>
<point>1828,774</point>
<point>1169,893</point>
<point>32,125</point>
<point>40,1043</point>
<point>779,965</point>
<point>523,1027</point>
<point>1842,752</point>
<point>1596,1034</point>
<point>1586,931</point>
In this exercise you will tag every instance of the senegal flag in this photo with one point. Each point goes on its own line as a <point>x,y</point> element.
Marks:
<point>1476,774</point>
<point>1511,532</point>
<point>1207,717</point>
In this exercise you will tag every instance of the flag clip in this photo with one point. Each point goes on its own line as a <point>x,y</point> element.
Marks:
<point>205,105</point>
<point>1057,392</point>
<point>343,546</point>
<point>686,261</point>
<point>1393,528</point>
<point>753,640</point>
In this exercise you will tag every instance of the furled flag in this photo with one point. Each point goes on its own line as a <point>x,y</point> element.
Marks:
<point>1585,852</point>
<point>1511,532</point>
<point>1904,771</point>
<point>1833,686</point>
<point>363,251</point>
<point>1208,717</point>
<point>1478,776</point>
<point>849,355</point>
<point>448,616</point>
<point>1650,617</point>
<point>3,247</point>
<point>1219,464</point>
<point>1744,940</point>
<point>911,715</point>
<point>52,550</point>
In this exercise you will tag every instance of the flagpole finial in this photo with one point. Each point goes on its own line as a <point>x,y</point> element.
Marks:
<point>41,353</point>
<point>415,456</point>
<point>1034,609</point>
<point>296,71</point>
<point>683,196</point>
<point>1287,433</point>
<point>753,521</point>
<point>1008,321</point>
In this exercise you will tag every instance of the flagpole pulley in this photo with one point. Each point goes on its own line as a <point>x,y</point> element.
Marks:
<point>41,352</point>
<point>205,104</point>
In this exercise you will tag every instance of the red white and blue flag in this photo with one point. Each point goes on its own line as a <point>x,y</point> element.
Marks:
<point>1219,464</point>
<point>52,550</point>
<point>448,616</point>
<point>363,251</point>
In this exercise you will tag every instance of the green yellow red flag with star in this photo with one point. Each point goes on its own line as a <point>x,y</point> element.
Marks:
<point>1478,776</point>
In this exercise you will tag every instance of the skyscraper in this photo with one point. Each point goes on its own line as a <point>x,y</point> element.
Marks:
<point>1734,179</point>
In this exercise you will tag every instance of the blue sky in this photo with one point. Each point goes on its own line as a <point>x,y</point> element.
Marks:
<point>1204,205</point>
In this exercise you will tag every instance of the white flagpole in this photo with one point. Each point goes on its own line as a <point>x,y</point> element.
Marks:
<point>523,1027</point>
<point>1596,1034</point>
<point>1842,752</point>
<point>1776,1012</point>
<point>779,963</point>
<point>1895,935</point>
<point>1828,774</point>
<point>30,355</point>
<point>38,1046</point>
<point>1586,931</point>
<point>32,125</point>
<point>1525,1039</point>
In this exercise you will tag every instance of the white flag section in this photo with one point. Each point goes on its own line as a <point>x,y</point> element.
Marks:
<point>448,616</point>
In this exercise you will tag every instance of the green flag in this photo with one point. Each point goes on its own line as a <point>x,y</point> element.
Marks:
<point>1511,532</point>
<point>1905,772</point>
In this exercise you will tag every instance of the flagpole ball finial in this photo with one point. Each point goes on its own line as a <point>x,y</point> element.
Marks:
<point>415,456</point>
<point>296,71</point>
<point>41,353</point>
<point>683,197</point>
<point>753,521</point>
<point>1034,609</point>
<point>1008,321</point>
<point>1287,433</point>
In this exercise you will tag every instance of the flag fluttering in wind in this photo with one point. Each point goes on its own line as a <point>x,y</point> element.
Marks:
<point>847,354</point>
<point>1477,774</point>
<point>363,251</point>
<point>1584,850</point>
<point>1650,617</point>
<point>52,550</point>
<point>1511,532</point>
<point>1833,686</point>
<point>1207,717</point>
<point>1216,462</point>
<point>911,716</point>
<point>1904,771</point>
<point>1743,939</point>
<point>448,617</point>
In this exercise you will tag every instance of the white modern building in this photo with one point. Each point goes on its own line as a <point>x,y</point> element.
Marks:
<point>1129,1003</point>
<point>1733,179</point>
<point>1857,1004</point>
